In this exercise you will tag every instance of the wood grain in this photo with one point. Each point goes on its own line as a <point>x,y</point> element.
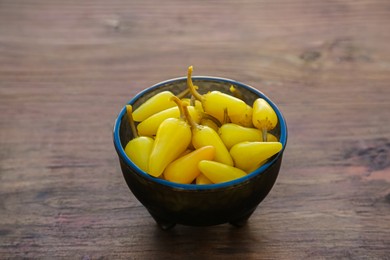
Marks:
<point>68,67</point>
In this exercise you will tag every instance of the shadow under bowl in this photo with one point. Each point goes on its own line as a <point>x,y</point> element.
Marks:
<point>198,205</point>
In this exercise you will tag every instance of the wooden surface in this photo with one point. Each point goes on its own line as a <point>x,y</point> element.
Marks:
<point>68,67</point>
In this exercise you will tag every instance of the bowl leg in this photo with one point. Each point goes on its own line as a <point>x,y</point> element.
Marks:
<point>241,221</point>
<point>163,223</point>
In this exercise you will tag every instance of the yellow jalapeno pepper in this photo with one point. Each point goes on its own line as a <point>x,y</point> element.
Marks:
<point>248,156</point>
<point>219,172</point>
<point>172,139</point>
<point>185,169</point>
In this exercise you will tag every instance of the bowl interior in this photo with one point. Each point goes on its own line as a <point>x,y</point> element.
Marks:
<point>123,133</point>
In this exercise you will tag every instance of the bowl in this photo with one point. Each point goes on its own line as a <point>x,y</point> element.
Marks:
<point>190,204</point>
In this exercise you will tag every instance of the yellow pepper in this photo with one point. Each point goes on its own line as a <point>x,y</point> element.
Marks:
<point>201,180</point>
<point>185,169</point>
<point>219,172</point>
<point>264,117</point>
<point>248,156</point>
<point>172,139</point>
<point>244,119</point>
<point>155,104</point>
<point>232,134</point>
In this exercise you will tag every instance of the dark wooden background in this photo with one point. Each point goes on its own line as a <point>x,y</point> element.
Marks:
<point>68,67</point>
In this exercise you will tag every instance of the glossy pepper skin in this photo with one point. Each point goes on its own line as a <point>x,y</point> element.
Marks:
<point>153,105</point>
<point>185,169</point>
<point>140,147</point>
<point>157,103</point>
<point>172,139</point>
<point>219,172</point>
<point>243,119</point>
<point>139,150</point>
<point>215,102</point>
<point>248,156</point>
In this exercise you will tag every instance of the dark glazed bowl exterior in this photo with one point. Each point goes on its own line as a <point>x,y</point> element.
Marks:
<point>198,205</point>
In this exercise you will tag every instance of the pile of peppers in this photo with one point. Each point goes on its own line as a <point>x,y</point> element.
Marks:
<point>204,139</point>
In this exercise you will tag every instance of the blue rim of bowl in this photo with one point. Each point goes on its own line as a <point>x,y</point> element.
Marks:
<point>121,151</point>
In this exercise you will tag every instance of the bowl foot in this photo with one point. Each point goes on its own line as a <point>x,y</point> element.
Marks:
<point>163,223</point>
<point>240,222</point>
<point>166,225</point>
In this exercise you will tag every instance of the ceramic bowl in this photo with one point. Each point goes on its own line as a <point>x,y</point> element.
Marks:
<point>190,204</point>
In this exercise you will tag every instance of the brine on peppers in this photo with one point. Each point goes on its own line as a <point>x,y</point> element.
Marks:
<point>140,147</point>
<point>172,139</point>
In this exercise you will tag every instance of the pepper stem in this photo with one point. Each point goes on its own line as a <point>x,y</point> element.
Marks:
<point>226,118</point>
<point>190,120</point>
<point>191,86</point>
<point>183,93</point>
<point>180,106</point>
<point>264,132</point>
<point>211,118</point>
<point>129,112</point>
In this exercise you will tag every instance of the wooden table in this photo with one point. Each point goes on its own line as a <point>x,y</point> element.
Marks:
<point>68,67</point>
